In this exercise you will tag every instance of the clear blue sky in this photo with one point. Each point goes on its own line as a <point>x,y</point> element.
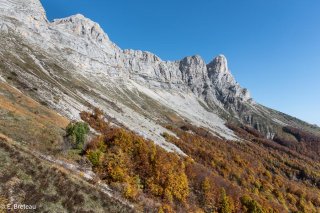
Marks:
<point>273,46</point>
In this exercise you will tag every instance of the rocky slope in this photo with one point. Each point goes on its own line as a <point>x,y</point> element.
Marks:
<point>226,153</point>
<point>71,65</point>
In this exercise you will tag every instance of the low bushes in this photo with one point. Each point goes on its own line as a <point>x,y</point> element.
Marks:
<point>76,133</point>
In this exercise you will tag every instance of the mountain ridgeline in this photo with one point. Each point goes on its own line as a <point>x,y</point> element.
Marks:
<point>204,120</point>
<point>77,48</point>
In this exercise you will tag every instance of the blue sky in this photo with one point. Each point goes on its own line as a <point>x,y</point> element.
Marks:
<point>273,46</point>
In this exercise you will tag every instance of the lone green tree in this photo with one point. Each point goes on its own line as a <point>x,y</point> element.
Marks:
<point>76,133</point>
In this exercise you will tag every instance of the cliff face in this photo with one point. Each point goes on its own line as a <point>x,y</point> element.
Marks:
<point>23,9</point>
<point>88,41</point>
<point>74,66</point>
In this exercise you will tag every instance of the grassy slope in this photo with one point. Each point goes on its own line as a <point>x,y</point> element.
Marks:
<point>27,121</point>
<point>26,179</point>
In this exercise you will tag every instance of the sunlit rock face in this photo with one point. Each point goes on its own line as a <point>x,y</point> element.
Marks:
<point>86,58</point>
<point>226,86</point>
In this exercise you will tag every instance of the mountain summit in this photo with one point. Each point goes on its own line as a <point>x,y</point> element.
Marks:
<point>82,27</point>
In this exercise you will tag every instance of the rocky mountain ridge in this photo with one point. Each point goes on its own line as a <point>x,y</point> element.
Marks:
<point>86,126</point>
<point>74,65</point>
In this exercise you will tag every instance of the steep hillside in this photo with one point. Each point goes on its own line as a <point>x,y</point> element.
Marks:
<point>255,175</point>
<point>75,58</point>
<point>201,126</point>
<point>28,179</point>
<point>27,121</point>
<point>30,135</point>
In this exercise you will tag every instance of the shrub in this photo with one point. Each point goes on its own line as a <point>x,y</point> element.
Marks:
<point>94,157</point>
<point>95,120</point>
<point>250,205</point>
<point>225,205</point>
<point>77,132</point>
<point>130,191</point>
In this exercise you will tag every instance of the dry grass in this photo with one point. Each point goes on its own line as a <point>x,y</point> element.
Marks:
<point>14,101</point>
<point>27,125</point>
<point>26,179</point>
<point>27,121</point>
